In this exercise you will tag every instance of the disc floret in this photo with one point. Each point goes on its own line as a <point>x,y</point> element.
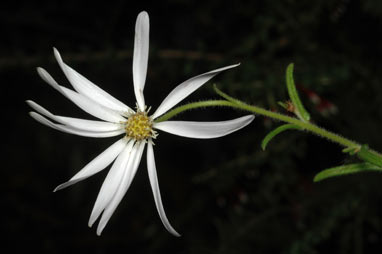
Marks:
<point>139,126</point>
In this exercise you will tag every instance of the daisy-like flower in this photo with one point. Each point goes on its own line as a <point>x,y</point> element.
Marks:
<point>138,127</point>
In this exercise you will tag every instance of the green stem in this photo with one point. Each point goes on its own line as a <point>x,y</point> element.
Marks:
<point>193,105</point>
<point>234,103</point>
<point>302,124</point>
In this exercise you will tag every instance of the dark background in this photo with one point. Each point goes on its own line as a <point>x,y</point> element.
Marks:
<point>224,195</point>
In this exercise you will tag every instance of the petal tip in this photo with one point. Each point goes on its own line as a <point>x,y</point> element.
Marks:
<point>57,55</point>
<point>55,51</point>
<point>143,14</point>
<point>248,119</point>
<point>67,184</point>
<point>176,234</point>
<point>43,74</point>
<point>59,187</point>
<point>91,222</point>
<point>40,69</point>
<point>100,228</point>
<point>233,66</point>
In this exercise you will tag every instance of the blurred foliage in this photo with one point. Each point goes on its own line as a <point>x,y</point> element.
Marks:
<point>224,195</point>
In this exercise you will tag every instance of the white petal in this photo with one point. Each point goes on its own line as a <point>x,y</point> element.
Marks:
<point>85,87</point>
<point>80,124</point>
<point>81,101</point>
<point>141,56</point>
<point>128,176</point>
<point>186,88</point>
<point>90,125</point>
<point>155,188</point>
<point>74,131</point>
<point>204,129</point>
<point>111,182</point>
<point>97,164</point>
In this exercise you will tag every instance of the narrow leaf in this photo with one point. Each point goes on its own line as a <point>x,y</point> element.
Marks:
<point>370,156</point>
<point>282,104</point>
<point>351,150</point>
<point>346,170</point>
<point>300,110</point>
<point>226,96</point>
<point>277,131</point>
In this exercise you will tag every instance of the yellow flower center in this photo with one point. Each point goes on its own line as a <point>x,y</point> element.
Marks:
<point>139,126</point>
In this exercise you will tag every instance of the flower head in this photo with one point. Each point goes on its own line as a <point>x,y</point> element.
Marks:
<point>137,127</point>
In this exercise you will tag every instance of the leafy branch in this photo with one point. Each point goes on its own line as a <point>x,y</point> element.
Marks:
<point>370,159</point>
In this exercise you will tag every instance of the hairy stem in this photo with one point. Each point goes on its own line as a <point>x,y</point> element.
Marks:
<point>308,126</point>
<point>193,105</point>
<point>237,104</point>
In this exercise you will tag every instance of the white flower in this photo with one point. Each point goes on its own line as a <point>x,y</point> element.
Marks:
<point>137,126</point>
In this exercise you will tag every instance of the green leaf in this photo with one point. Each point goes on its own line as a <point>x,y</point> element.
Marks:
<point>370,156</point>
<point>226,96</point>
<point>292,91</point>
<point>351,150</point>
<point>283,104</point>
<point>346,170</point>
<point>277,131</point>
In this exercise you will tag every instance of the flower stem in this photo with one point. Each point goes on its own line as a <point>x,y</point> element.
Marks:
<point>193,105</point>
<point>304,125</point>
<point>284,118</point>
<point>233,103</point>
